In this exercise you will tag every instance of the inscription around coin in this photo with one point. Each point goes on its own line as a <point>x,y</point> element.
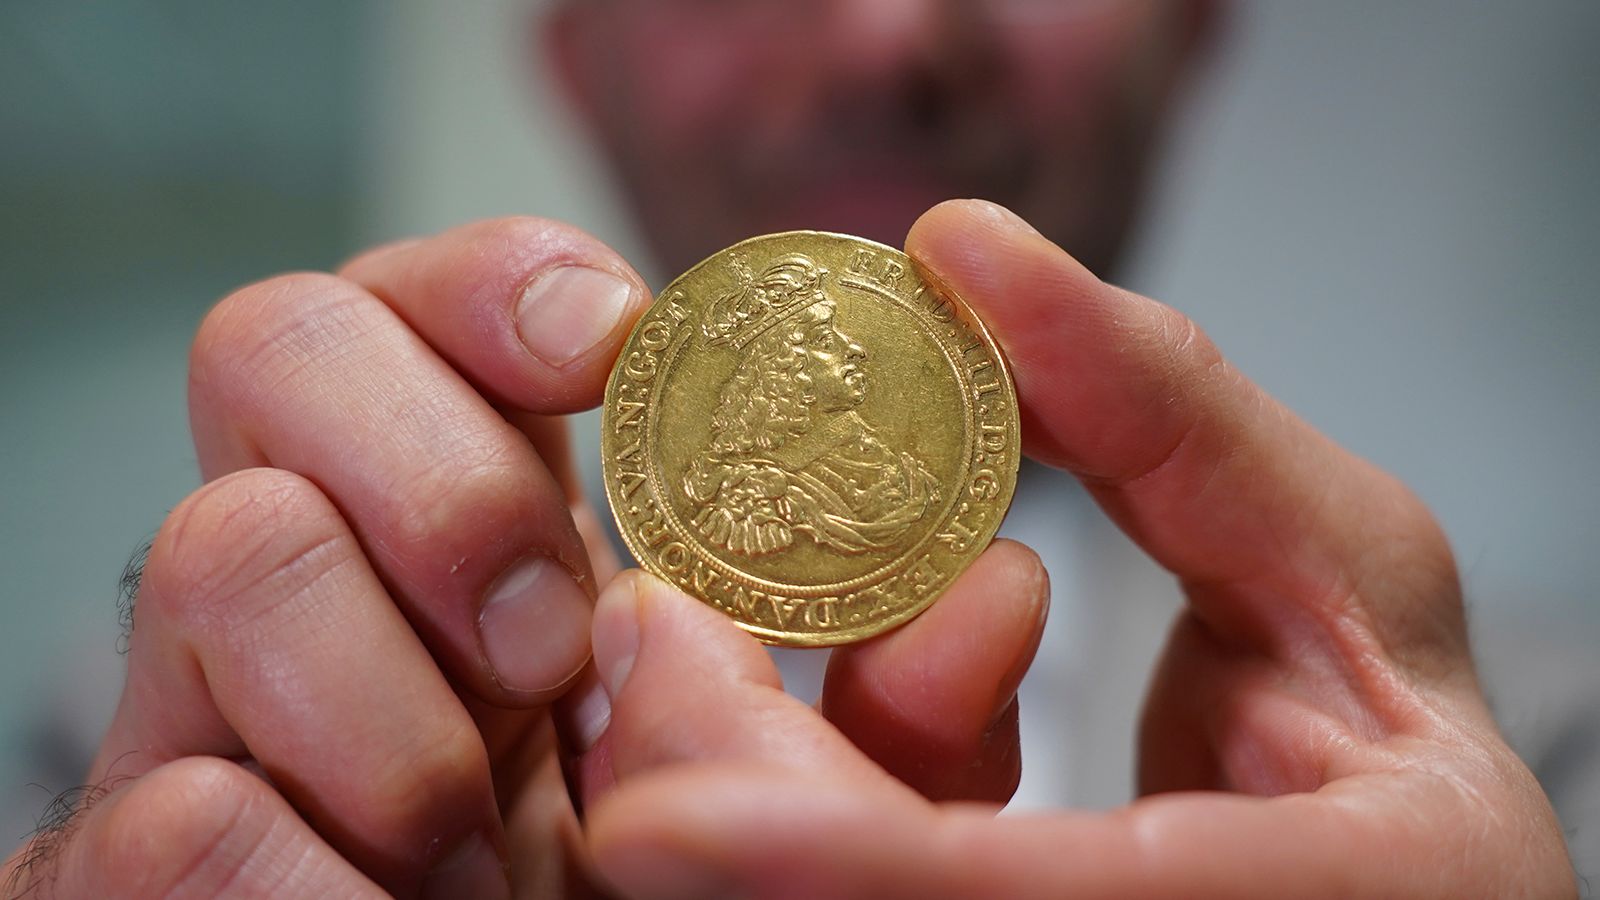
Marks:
<point>807,434</point>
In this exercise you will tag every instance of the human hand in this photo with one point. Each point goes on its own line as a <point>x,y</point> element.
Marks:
<point>378,592</point>
<point>1315,726</point>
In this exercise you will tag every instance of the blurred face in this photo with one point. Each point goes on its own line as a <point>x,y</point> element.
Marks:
<point>730,118</point>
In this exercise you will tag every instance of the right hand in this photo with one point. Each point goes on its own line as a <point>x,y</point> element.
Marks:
<point>347,640</point>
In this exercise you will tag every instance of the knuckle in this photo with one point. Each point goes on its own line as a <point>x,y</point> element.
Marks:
<point>514,236</point>
<point>488,491</point>
<point>256,335</point>
<point>515,247</point>
<point>445,763</point>
<point>1180,374</point>
<point>1409,551</point>
<point>177,820</point>
<point>237,533</point>
<point>1415,585</point>
<point>1184,347</point>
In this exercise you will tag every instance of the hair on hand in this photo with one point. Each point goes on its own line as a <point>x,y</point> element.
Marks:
<point>52,831</point>
<point>128,592</point>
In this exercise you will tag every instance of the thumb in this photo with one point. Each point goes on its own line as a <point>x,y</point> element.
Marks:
<point>687,685</point>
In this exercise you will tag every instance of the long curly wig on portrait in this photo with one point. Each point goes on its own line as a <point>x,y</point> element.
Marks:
<point>768,399</point>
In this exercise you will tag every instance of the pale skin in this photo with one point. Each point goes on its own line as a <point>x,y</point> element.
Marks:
<point>312,709</point>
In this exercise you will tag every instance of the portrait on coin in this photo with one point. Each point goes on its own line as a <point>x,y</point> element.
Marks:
<point>789,454</point>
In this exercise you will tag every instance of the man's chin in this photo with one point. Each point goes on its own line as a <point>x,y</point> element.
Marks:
<point>879,209</point>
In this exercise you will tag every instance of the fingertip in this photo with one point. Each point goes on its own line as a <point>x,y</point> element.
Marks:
<point>966,213</point>
<point>1021,565</point>
<point>1026,570</point>
<point>641,617</point>
<point>945,684</point>
<point>532,311</point>
<point>614,632</point>
<point>963,238</point>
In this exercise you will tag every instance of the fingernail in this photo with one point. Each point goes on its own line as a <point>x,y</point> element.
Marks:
<point>565,312</point>
<point>616,632</point>
<point>535,626</point>
<point>472,869</point>
<point>588,711</point>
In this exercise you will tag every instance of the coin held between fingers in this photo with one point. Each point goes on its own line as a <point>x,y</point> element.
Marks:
<point>806,433</point>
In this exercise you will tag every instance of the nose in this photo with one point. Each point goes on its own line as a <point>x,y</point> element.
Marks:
<point>872,35</point>
<point>854,351</point>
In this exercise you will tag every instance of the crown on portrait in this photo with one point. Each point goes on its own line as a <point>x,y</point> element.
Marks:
<point>758,302</point>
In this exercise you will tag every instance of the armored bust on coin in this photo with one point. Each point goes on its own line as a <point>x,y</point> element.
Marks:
<point>805,433</point>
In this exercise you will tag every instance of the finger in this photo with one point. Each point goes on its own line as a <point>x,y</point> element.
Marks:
<point>548,855</point>
<point>1267,522</point>
<point>261,632</point>
<point>550,439</point>
<point>194,828</point>
<point>707,832</point>
<point>532,312</point>
<point>312,374</point>
<point>549,435</point>
<point>685,684</point>
<point>934,701</point>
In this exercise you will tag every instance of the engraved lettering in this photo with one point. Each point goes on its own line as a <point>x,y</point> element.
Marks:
<point>821,613</point>
<point>887,273</point>
<point>867,596</point>
<point>674,557</point>
<point>744,602</point>
<point>627,411</point>
<point>656,335</point>
<point>921,575</point>
<point>630,453</point>
<point>673,305</point>
<point>958,538</point>
<point>861,263</point>
<point>985,486</point>
<point>992,438</point>
<point>704,577</point>
<point>652,530</point>
<point>630,482</point>
<point>782,608</point>
<point>640,366</point>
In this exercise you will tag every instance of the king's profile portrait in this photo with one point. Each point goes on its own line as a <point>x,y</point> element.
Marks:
<point>789,455</point>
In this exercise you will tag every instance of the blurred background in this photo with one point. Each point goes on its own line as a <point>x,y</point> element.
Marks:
<point>1386,213</point>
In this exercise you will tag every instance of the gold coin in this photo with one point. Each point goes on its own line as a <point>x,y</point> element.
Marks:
<point>807,433</point>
